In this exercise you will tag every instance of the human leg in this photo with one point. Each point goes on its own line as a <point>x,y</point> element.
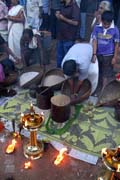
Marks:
<point>53,23</point>
<point>107,68</point>
<point>82,25</point>
<point>60,53</point>
<point>66,46</point>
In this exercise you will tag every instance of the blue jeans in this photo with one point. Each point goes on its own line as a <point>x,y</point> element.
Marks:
<point>62,49</point>
<point>83,25</point>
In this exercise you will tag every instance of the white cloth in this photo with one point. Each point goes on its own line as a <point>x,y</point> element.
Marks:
<point>33,43</point>
<point>32,7</point>
<point>82,54</point>
<point>33,12</point>
<point>93,74</point>
<point>78,2</point>
<point>15,31</point>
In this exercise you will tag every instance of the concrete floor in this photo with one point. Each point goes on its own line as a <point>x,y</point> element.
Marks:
<point>12,165</point>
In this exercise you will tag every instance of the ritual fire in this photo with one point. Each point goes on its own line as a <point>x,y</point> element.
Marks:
<point>60,156</point>
<point>32,121</point>
<point>11,147</point>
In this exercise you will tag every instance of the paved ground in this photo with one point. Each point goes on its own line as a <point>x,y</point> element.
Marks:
<point>44,168</point>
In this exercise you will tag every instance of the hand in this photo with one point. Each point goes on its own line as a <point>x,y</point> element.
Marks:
<point>17,60</point>
<point>94,57</point>
<point>59,15</point>
<point>113,60</point>
<point>4,18</point>
<point>57,12</point>
<point>8,17</point>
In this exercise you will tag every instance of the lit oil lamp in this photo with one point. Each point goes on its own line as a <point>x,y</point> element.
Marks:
<point>31,122</point>
<point>11,147</point>
<point>60,156</point>
<point>111,159</point>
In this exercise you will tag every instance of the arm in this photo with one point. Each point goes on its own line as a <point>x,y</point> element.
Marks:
<point>116,44</point>
<point>9,52</point>
<point>94,44</point>
<point>73,19</point>
<point>114,60</point>
<point>69,21</point>
<point>39,44</point>
<point>18,18</point>
<point>71,83</point>
<point>22,52</point>
<point>78,86</point>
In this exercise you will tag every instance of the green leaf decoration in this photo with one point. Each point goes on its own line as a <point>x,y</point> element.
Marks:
<point>100,116</point>
<point>74,138</point>
<point>87,141</point>
<point>81,132</point>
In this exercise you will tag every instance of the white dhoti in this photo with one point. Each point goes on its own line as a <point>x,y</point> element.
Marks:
<point>93,74</point>
<point>15,30</point>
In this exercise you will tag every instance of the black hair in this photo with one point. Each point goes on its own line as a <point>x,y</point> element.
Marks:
<point>29,32</point>
<point>69,67</point>
<point>107,16</point>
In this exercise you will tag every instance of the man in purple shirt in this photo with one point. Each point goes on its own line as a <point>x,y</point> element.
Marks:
<point>105,46</point>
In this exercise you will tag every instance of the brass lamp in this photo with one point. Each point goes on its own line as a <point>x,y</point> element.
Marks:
<point>111,159</point>
<point>32,121</point>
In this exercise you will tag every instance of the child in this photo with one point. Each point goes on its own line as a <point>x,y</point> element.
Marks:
<point>30,48</point>
<point>105,46</point>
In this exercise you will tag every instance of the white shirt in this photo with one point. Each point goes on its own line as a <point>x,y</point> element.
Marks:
<point>81,53</point>
<point>33,7</point>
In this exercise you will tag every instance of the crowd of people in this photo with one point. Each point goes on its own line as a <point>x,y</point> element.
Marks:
<point>23,22</point>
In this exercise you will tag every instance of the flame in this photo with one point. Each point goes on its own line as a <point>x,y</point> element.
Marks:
<point>11,147</point>
<point>22,115</point>
<point>31,104</point>
<point>104,151</point>
<point>27,165</point>
<point>60,156</point>
<point>15,134</point>
<point>26,123</point>
<point>118,168</point>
